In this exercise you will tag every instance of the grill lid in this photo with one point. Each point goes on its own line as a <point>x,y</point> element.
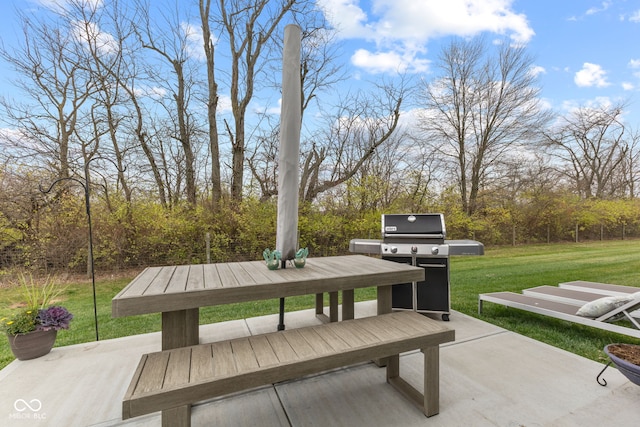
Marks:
<point>413,226</point>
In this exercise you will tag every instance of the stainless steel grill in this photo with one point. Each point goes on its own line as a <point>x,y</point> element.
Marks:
<point>419,240</point>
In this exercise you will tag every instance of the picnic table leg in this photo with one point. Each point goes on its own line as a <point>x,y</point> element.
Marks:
<point>430,399</point>
<point>384,299</point>
<point>319,303</point>
<point>177,417</point>
<point>384,306</point>
<point>180,328</point>
<point>348,311</point>
<point>431,380</point>
<point>333,306</point>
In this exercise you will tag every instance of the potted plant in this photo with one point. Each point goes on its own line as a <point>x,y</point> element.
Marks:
<point>32,331</point>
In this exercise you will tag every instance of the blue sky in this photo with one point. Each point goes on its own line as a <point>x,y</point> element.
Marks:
<point>586,51</point>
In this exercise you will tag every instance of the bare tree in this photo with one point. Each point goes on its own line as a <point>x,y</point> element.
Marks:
<point>263,163</point>
<point>354,132</point>
<point>172,47</point>
<point>319,72</point>
<point>248,26</point>
<point>212,103</point>
<point>590,143</point>
<point>630,168</point>
<point>56,88</point>
<point>479,106</point>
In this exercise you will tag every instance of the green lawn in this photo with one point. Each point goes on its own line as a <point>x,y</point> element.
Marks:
<point>500,269</point>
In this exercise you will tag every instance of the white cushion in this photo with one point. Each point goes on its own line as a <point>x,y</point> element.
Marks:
<point>602,306</point>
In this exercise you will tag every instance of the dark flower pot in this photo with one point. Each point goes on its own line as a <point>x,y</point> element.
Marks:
<point>33,344</point>
<point>629,370</point>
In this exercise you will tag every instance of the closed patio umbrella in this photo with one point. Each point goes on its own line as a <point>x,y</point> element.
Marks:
<point>288,156</point>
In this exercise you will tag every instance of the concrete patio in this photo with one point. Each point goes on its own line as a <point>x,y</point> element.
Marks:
<point>488,377</point>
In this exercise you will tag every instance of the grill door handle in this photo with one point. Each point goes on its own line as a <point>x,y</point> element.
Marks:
<point>433,265</point>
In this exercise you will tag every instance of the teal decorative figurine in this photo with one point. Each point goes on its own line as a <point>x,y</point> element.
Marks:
<point>301,257</point>
<point>272,258</point>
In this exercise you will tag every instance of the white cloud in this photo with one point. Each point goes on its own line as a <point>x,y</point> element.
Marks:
<point>388,62</point>
<point>153,92</point>
<point>597,103</point>
<point>401,29</point>
<point>89,34</point>
<point>536,70</point>
<point>195,41</point>
<point>604,6</point>
<point>64,5</point>
<point>224,104</point>
<point>635,16</point>
<point>393,20</point>
<point>628,86</point>
<point>591,75</point>
<point>634,64</point>
<point>347,17</point>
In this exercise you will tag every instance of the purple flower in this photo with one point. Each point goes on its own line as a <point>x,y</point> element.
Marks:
<point>53,318</point>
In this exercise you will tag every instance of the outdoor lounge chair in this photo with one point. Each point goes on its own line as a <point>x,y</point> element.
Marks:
<point>599,288</point>
<point>575,293</point>
<point>566,310</point>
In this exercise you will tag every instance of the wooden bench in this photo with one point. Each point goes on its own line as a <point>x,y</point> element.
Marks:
<point>172,380</point>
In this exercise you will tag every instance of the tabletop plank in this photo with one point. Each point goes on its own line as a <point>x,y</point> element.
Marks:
<point>258,272</point>
<point>178,281</point>
<point>196,278</point>
<point>241,276</point>
<point>211,277</point>
<point>226,274</point>
<point>160,283</point>
<point>139,284</point>
<point>158,289</point>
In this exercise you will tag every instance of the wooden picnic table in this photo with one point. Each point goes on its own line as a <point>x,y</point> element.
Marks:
<point>179,291</point>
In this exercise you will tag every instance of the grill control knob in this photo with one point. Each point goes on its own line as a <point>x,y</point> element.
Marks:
<point>394,249</point>
<point>414,249</point>
<point>435,250</point>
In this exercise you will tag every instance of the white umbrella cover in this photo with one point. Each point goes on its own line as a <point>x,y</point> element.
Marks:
<point>288,156</point>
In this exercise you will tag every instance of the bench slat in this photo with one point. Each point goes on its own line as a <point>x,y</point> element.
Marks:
<point>410,327</point>
<point>178,367</point>
<point>244,355</point>
<point>235,365</point>
<point>201,362</point>
<point>223,361</point>
<point>331,338</point>
<point>383,330</point>
<point>152,375</point>
<point>319,345</point>
<point>351,335</point>
<point>299,344</point>
<point>281,348</point>
<point>263,351</point>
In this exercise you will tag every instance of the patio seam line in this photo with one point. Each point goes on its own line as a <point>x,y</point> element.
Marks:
<point>284,409</point>
<point>477,338</point>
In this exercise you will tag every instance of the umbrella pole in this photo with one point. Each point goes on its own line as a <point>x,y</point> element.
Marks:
<point>281,324</point>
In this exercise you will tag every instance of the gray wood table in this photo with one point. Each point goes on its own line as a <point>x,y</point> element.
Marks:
<point>179,291</point>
